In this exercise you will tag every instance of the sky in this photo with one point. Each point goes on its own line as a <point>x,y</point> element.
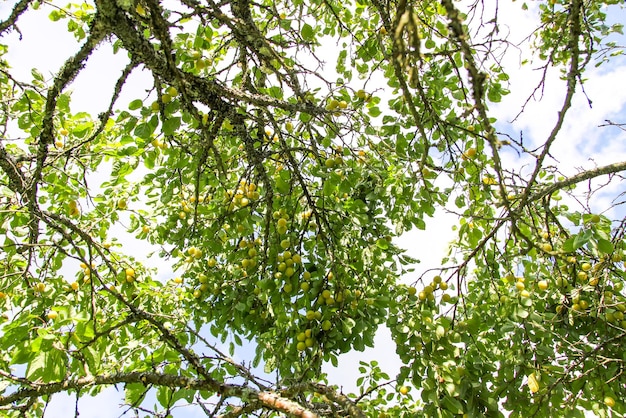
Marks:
<point>581,144</point>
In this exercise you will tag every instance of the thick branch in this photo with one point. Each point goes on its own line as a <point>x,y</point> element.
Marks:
<point>19,8</point>
<point>157,379</point>
<point>585,175</point>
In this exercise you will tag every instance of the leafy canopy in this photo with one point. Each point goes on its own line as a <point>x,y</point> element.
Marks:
<point>280,150</point>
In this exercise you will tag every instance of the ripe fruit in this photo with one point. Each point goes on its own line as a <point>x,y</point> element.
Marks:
<point>470,153</point>
<point>533,383</point>
<point>343,104</point>
<point>52,315</point>
<point>609,401</point>
<point>74,286</point>
<point>543,284</point>
<point>585,266</point>
<point>145,229</point>
<point>403,390</point>
<point>130,272</point>
<point>178,280</point>
<point>65,132</point>
<point>40,287</point>
<point>546,247</point>
<point>524,294</point>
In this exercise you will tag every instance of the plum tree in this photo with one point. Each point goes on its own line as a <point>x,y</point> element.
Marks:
<point>279,155</point>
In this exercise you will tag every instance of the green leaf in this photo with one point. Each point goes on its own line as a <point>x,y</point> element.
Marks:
<point>307,32</point>
<point>171,125</point>
<point>605,246</point>
<point>135,104</point>
<point>453,405</point>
